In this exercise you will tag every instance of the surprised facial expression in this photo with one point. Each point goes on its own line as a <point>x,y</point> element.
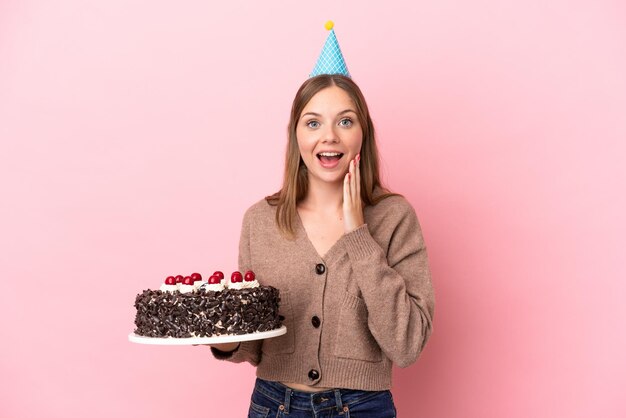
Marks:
<point>329,135</point>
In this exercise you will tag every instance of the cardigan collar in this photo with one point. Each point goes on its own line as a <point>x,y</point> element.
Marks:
<point>333,254</point>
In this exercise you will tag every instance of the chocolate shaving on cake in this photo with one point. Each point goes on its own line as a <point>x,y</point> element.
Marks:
<point>200,314</point>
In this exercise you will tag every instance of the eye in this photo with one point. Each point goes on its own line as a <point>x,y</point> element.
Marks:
<point>313,124</point>
<point>346,122</point>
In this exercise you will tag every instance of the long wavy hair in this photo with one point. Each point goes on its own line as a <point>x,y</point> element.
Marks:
<point>295,179</point>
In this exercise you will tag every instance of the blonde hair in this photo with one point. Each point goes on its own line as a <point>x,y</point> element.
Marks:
<point>295,179</point>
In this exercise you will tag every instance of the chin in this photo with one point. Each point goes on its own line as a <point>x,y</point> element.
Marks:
<point>334,180</point>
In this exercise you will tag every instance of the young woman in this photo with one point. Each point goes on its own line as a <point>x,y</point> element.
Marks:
<point>349,260</point>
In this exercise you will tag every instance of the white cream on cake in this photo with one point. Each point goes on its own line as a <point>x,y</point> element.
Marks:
<point>217,287</point>
<point>186,288</point>
<point>168,287</point>
<point>243,285</point>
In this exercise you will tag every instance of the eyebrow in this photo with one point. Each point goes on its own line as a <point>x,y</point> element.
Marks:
<point>318,115</point>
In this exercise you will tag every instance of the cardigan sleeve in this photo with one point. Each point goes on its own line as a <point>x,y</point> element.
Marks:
<point>396,286</point>
<point>249,351</point>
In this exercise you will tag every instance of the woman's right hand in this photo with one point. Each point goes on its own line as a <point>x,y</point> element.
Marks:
<point>225,347</point>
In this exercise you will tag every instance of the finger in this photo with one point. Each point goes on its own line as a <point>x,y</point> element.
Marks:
<point>346,191</point>
<point>353,181</point>
<point>357,175</point>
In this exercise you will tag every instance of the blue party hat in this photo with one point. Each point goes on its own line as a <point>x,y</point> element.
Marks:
<point>331,60</point>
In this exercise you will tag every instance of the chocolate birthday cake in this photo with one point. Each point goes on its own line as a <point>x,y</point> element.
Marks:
<point>188,307</point>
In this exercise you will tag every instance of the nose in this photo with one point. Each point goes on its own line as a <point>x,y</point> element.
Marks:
<point>330,136</point>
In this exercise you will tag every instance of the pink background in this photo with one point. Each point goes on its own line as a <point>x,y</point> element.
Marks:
<point>134,134</point>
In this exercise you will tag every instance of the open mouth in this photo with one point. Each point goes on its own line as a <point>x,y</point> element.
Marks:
<point>329,158</point>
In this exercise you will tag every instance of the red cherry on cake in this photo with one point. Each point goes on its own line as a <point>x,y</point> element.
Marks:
<point>170,280</point>
<point>179,278</point>
<point>219,274</point>
<point>249,276</point>
<point>196,277</point>
<point>214,280</point>
<point>236,277</point>
<point>188,280</point>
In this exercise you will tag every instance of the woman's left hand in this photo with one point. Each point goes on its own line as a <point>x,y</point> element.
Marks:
<point>352,204</point>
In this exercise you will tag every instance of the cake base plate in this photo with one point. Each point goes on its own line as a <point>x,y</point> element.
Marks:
<point>139,339</point>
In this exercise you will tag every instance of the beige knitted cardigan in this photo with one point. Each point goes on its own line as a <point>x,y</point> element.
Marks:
<point>367,303</point>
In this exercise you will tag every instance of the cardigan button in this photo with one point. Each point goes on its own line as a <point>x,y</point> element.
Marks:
<point>314,374</point>
<point>320,268</point>
<point>316,321</point>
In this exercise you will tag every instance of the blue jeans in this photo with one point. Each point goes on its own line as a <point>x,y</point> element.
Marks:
<point>273,399</point>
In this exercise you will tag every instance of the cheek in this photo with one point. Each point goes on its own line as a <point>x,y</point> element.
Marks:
<point>357,140</point>
<point>304,143</point>
<point>301,147</point>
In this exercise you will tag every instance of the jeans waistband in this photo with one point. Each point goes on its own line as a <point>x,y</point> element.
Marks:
<point>317,401</point>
